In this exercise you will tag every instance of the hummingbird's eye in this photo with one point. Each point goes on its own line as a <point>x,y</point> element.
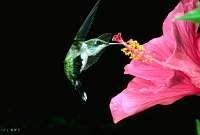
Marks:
<point>98,42</point>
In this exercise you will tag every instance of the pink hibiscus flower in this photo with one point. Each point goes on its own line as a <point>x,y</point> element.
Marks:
<point>166,68</point>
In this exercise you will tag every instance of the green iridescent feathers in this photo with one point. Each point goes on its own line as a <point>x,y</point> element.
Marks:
<point>95,48</point>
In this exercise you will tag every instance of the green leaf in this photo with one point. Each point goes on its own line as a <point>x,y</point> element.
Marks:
<point>198,126</point>
<point>57,121</point>
<point>193,15</point>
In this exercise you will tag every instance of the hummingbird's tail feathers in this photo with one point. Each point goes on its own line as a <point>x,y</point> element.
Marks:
<point>80,90</point>
<point>85,27</point>
<point>106,37</point>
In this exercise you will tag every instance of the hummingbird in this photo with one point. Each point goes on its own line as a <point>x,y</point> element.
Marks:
<point>84,53</point>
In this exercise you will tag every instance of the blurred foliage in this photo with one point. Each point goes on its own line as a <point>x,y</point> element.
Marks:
<point>198,126</point>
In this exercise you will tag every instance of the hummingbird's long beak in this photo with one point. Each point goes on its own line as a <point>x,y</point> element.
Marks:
<point>115,44</point>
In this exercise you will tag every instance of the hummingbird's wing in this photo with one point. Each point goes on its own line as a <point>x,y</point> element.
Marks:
<point>85,27</point>
<point>94,50</point>
<point>105,37</point>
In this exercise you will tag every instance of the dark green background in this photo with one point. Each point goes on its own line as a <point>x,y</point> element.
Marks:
<point>35,100</point>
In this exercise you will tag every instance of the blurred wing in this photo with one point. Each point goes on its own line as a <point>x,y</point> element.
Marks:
<point>85,27</point>
<point>105,37</point>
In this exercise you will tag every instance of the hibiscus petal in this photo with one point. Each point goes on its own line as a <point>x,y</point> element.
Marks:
<point>185,33</point>
<point>152,71</point>
<point>198,42</point>
<point>159,48</point>
<point>163,47</point>
<point>183,7</point>
<point>184,57</point>
<point>142,94</point>
<point>186,29</point>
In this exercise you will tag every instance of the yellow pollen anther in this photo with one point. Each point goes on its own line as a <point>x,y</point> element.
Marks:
<point>127,53</point>
<point>132,56</point>
<point>136,52</point>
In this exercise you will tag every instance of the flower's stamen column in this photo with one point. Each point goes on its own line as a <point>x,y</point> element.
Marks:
<point>134,50</point>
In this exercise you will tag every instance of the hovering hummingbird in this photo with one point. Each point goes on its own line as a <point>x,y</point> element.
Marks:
<point>83,54</point>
